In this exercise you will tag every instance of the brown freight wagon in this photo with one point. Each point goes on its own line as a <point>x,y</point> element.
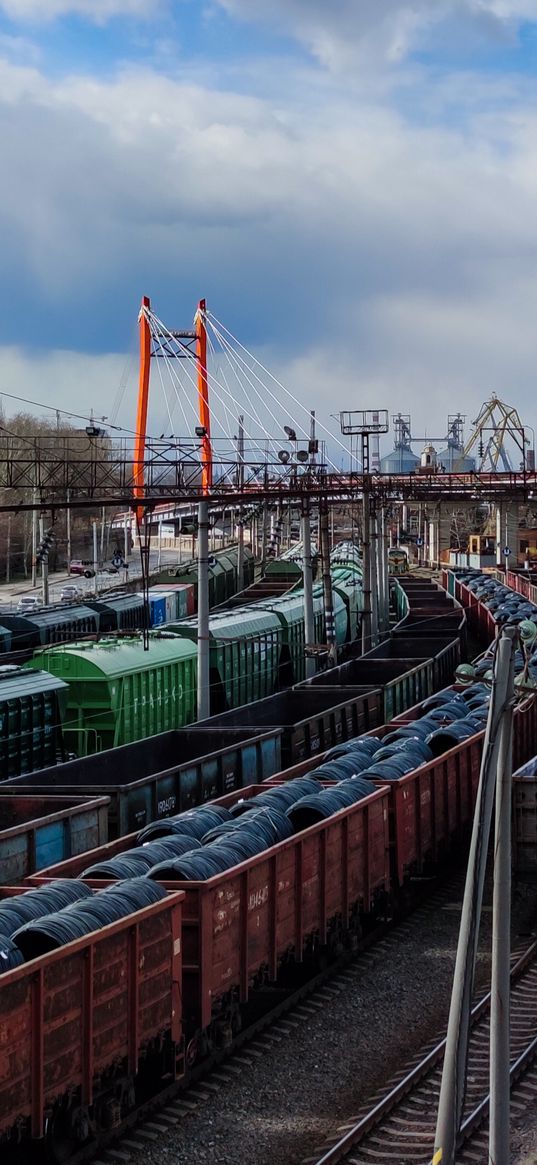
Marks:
<point>77,1025</point>
<point>240,926</point>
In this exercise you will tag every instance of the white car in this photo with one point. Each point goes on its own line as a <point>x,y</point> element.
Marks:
<point>70,593</point>
<point>28,603</point>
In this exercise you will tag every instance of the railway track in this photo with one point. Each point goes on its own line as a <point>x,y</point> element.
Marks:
<point>398,1124</point>
<point>153,1120</point>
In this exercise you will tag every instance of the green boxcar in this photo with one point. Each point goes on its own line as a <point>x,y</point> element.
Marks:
<point>32,707</point>
<point>347,583</point>
<point>119,693</point>
<point>289,609</point>
<point>245,654</point>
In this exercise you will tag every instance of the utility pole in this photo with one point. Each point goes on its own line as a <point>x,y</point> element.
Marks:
<point>309,617</point>
<point>203,611</point>
<point>365,423</point>
<point>452,1090</point>
<point>44,565</point>
<point>327,581</point>
<point>240,527</point>
<point>103,520</point>
<point>8,549</point>
<point>366,572</point>
<point>34,539</point>
<point>95,555</point>
<point>499,1147</point>
<point>375,577</point>
<point>68,530</point>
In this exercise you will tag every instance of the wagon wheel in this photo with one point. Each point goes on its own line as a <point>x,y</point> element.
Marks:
<point>192,1052</point>
<point>61,1143</point>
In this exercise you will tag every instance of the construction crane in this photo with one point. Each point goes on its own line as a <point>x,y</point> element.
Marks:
<point>496,424</point>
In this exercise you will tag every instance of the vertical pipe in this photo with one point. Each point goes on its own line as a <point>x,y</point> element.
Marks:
<point>366,572</point>
<point>126,538</point>
<point>499,1153</point>
<point>103,523</point>
<point>34,540</point>
<point>327,581</point>
<point>203,610</point>
<point>159,543</point>
<point>309,619</point>
<point>450,1105</point>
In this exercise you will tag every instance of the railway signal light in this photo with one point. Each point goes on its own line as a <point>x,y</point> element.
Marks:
<point>45,546</point>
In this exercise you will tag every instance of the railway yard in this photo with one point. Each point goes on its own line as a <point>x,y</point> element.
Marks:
<point>290,971</point>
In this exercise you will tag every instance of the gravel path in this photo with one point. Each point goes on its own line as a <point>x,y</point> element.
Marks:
<point>277,1110</point>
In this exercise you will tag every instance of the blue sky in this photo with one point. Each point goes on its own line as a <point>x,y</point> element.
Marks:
<point>352,185</point>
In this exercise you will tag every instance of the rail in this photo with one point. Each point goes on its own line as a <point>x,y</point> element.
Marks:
<point>417,1075</point>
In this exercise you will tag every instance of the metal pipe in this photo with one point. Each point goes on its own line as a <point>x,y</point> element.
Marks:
<point>203,611</point>
<point>499,1149</point>
<point>450,1105</point>
<point>309,618</point>
<point>159,544</point>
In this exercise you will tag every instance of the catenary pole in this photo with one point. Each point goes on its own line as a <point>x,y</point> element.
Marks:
<point>499,1148</point>
<point>309,623</point>
<point>452,1090</point>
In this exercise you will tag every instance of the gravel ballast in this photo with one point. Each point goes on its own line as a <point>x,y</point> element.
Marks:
<point>277,1108</point>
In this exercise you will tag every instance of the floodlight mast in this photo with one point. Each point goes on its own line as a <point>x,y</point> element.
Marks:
<point>363,423</point>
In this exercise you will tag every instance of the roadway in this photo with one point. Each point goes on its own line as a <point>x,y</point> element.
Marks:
<point>11,592</point>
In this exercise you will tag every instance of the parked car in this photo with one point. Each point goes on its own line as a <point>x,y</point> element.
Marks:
<point>28,603</point>
<point>80,566</point>
<point>69,593</point>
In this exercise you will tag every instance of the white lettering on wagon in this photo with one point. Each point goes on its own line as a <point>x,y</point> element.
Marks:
<point>258,898</point>
<point>167,805</point>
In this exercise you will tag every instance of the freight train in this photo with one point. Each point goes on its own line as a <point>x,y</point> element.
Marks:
<point>276,884</point>
<point>119,692</point>
<point>116,692</point>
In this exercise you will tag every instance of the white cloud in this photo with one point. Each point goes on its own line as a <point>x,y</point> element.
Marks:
<point>59,379</point>
<point>346,33</point>
<point>97,11</point>
<point>380,259</point>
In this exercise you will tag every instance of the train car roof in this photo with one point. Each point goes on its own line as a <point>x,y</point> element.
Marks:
<point>112,657</point>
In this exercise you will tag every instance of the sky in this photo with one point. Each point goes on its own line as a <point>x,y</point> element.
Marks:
<point>351,184</point>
